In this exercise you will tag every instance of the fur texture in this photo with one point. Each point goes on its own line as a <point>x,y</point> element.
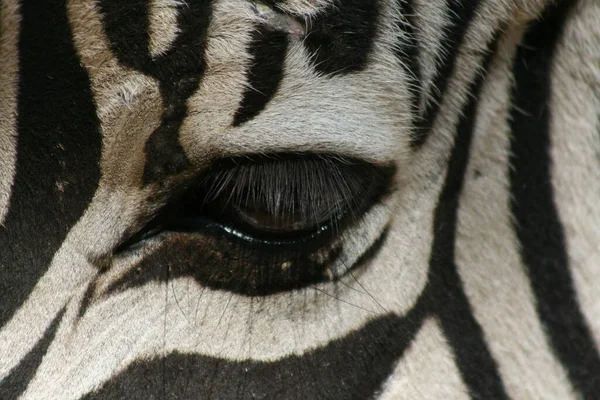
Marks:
<point>474,274</point>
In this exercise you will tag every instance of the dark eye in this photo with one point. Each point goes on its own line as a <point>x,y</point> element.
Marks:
<point>272,223</point>
<point>261,222</point>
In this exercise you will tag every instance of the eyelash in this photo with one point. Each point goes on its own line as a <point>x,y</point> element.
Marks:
<point>327,193</point>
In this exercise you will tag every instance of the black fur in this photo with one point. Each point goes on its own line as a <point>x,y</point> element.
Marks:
<point>58,152</point>
<point>341,37</point>
<point>15,383</point>
<point>408,52</point>
<point>267,49</point>
<point>353,367</point>
<point>537,223</point>
<point>460,13</point>
<point>450,303</point>
<point>178,71</point>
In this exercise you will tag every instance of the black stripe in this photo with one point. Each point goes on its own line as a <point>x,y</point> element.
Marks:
<point>460,14</point>
<point>13,385</point>
<point>274,4</point>
<point>340,38</point>
<point>58,151</point>
<point>178,71</point>
<point>126,24</point>
<point>408,53</point>
<point>477,367</point>
<point>267,50</point>
<point>537,223</point>
<point>354,367</point>
<point>184,256</point>
<point>370,253</point>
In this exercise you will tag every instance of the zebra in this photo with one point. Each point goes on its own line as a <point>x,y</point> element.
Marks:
<point>300,199</point>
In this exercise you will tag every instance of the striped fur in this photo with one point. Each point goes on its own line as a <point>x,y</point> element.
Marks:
<point>474,276</point>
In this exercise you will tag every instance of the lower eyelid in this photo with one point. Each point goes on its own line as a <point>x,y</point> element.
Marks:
<point>221,261</point>
<point>224,263</point>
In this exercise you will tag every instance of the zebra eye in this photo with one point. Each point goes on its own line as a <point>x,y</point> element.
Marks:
<point>290,222</point>
<point>262,222</point>
<point>280,199</point>
<point>268,224</point>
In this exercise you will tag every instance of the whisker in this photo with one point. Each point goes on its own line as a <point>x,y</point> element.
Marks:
<point>367,292</point>
<point>340,300</point>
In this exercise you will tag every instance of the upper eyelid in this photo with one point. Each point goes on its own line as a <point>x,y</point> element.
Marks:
<point>176,197</point>
<point>332,168</point>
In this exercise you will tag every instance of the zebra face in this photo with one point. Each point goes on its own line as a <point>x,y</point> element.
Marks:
<point>199,105</point>
<point>292,199</point>
<point>248,108</point>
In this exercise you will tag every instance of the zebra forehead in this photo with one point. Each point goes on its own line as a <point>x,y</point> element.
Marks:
<point>287,111</point>
<point>375,98</point>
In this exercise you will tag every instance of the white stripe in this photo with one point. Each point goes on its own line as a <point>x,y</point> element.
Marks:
<point>576,152</point>
<point>427,370</point>
<point>70,272</point>
<point>487,251</point>
<point>163,29</point>
<point>431,23</point>
<point>9,60</point>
